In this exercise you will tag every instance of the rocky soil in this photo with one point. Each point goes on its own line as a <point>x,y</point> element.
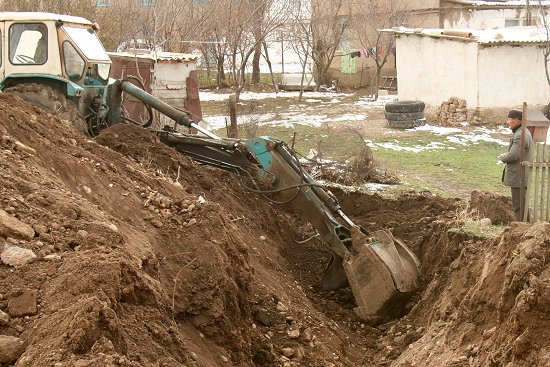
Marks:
<point>119,251</point>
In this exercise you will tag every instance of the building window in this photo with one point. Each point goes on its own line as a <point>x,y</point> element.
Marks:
<point>344,24</point>
<point>146,2</point>
<point>515,22</point>
<point>102,3</point>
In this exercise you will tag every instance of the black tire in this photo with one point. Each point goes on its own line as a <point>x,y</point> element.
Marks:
<point>405,106</point>
<point>408,124</point>
<point>52,101</point>
<point>404,116</point>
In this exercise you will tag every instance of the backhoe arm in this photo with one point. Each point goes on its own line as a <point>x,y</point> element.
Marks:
<point>381,270</point>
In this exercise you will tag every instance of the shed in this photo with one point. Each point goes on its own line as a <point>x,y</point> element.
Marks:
<point>488,68</point>
<point>537,124</point>
<point>169,76</point>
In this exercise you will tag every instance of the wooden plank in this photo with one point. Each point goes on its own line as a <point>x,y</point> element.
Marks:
<point>529,191</point>
<point>536,164</point>
<point>542,186</point>
<point>537,184</point>
<point>548,189</point>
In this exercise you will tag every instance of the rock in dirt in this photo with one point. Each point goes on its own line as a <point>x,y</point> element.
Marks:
<point>12,227</point>
<point>267,318</point>
<point>4,318</point>
<point>25,304</point>
<point>11,349</point>
<point>17,256</point>
<point>24,148</point>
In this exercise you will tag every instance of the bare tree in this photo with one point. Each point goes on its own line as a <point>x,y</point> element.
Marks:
<point>211,40</point>
<point>368,19</point>
<point>300,36</point>
<point>242,35</point>
<point>318,31</point>
<point>257,25</point>
<point>544,26</point>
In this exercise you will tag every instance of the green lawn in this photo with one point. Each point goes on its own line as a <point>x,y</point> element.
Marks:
<point>454,171</point>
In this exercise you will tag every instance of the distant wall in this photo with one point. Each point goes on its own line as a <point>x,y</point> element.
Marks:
<point>435,69</point>
<point>510,75</point>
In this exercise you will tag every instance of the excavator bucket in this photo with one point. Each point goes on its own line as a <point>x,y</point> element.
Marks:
<point>382,273</point>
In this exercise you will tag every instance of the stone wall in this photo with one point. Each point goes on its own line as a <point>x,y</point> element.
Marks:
<point>454,112</point>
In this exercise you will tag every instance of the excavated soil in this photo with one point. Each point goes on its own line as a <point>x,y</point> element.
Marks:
<point>144,258</point>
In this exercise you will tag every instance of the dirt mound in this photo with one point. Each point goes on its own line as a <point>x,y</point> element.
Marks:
<point>494,206</point>
<point>144,258</point>
<point>489,307</point>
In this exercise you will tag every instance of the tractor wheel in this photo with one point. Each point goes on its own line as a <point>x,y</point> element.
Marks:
<point>52,101</point>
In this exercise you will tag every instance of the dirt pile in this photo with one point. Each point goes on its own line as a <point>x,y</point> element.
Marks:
<point>494,206</point>
<point>488,307</point>
<point>122,252</point>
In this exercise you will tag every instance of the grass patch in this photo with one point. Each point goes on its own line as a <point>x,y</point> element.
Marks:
<point>455,170</point>
<point>475,228</point>
<point>471,167</point>
<point>471,224</point>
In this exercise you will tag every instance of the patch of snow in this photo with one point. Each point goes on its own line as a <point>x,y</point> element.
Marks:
<point>380,102</point>
<point>438,130</point>
<point>350,118</point>
<point>414,149</point>
<point>245,96</point>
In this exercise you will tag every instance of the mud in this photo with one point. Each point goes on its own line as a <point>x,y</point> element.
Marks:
<point>144,258</point>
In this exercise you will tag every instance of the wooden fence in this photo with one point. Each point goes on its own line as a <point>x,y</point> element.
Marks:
<point>538,184</point>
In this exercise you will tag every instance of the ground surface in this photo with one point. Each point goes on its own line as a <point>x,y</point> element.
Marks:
<point>144,258</point>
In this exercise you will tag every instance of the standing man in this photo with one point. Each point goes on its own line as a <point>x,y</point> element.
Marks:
<point>511,173</point>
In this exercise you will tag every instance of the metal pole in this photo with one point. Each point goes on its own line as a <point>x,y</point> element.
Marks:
<point>181,117</point>
<point>282,55</point>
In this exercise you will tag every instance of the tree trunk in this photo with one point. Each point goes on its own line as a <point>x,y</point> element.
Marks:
<point>256,63</point>
<point>232,131</point>
<point>220,78</point>
<point>270,68</point>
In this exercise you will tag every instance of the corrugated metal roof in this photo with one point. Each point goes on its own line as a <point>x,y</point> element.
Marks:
<point>495,36</point>
<point>159,56</point>
<point>42,16</point>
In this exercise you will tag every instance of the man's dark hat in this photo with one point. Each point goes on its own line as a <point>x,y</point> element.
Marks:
<point>515,114</point>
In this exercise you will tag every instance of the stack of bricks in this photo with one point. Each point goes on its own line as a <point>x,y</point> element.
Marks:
<point>452,112</point>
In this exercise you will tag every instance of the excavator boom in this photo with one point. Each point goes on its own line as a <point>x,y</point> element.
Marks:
<point>381,270</point>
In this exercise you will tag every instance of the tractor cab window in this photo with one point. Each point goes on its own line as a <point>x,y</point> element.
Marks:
<point>74,63</point>
<point>103,71</point>
<point>28,43</point>
<point>97,74</point>
<point>86,40</point>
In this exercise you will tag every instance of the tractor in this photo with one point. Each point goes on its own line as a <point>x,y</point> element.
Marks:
<point>58,63</point>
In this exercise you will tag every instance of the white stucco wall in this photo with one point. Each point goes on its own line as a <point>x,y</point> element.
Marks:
<point>511,75</point>
<point>170,86</point>
<point>434,69</point>
<point>170,82</point>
